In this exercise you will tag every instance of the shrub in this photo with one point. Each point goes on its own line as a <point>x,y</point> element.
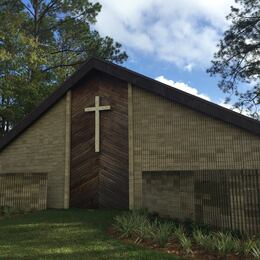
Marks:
<point>141,211</point>
<point>185,243</point>
<point>130,223</point>
<point>245,247</point>
<point>162,232</point>
<point>204,228</point>
<point>153,216</point>
<point>136,223</point>
<point>204,240</point>
<point>8,211</point>
<point>140,225</point>
<point>238,234</point>
<point>179,232</point>
<point>255,250</point>
<point>124,224</point>
<point>190,226</point>
<point>198,236</point>
<point>143,229</point>
<point>224,243</point>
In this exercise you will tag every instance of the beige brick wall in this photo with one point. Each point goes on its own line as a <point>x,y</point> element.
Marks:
<point>42,149</point>
<point>25,191</point>
<point>167,136</point>
<point>227,199</point>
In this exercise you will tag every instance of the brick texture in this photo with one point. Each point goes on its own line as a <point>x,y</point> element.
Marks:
<point>41,148</point>
<point>25,191</point>
<point>169,137</point>
<point>227,199</point>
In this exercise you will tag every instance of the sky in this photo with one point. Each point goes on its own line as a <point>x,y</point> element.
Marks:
<point>171,41</point>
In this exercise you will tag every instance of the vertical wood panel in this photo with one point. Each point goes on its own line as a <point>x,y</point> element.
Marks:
<point>99,180</point>
<point>84,160</point>
<point>113,171</point>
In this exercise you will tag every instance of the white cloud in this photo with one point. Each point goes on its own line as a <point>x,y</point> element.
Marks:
<point>228,106</point>
<point>188,67</point>
<point>183,86</point>
<point>244,111</point>
<point>191,90</point>
<point>182,32</point>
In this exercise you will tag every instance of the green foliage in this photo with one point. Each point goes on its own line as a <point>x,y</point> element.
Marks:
<point>178,232</point>
<point>144,229</point>
<point>237,59</point>
<point>125,224</point>
<point>8,211</point>
<point>189,225</point>
<point>185,243</point>
<point>41,44</point>
<point>162,232</point>
<point>133,223</point>
<point>141,211</point>
<point>67,234</point>
<point>224,243</point>
<point>138,224</point>
<point>245,247</point>
<point>184,240</point>
<point>204,240</point>
<point>255,250</point>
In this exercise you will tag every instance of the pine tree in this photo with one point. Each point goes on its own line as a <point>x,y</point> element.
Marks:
<point>42,42</point>
<point>237,60</point>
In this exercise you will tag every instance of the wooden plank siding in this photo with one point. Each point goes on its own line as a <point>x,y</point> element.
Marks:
<point>99,180</point>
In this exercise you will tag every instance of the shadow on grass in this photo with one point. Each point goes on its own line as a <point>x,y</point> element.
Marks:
<point>66,234</point>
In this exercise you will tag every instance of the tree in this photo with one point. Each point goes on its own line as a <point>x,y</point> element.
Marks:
<point>237,60</point>
<point>42,42</point>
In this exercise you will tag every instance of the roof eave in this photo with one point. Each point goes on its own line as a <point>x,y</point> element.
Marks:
<point>151,85</point>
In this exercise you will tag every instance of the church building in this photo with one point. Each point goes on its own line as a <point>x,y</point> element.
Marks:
<point>112,138</point>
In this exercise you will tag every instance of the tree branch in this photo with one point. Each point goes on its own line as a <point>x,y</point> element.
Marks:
<point>63,65</point>
<point>62,22</point>
<point>27,8</point>
<point>66,50</point>
<point>49,6</point>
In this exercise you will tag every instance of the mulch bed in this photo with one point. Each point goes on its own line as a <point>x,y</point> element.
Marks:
<point>174,248</point>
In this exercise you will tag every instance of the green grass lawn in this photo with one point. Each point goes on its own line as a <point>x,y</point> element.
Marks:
<point>66,234</point>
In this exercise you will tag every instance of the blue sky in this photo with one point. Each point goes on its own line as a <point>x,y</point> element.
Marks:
<point>169,40</point>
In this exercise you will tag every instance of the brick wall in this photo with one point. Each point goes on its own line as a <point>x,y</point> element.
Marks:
<point>227,199</point>
<point>166,136</point>
<point>25,191</point>
<point>42,148</point>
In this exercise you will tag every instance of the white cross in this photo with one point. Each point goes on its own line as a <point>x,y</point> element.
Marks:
<point>97,108</point>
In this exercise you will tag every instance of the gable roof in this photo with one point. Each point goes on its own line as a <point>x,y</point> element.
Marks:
<point>141,81</point>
